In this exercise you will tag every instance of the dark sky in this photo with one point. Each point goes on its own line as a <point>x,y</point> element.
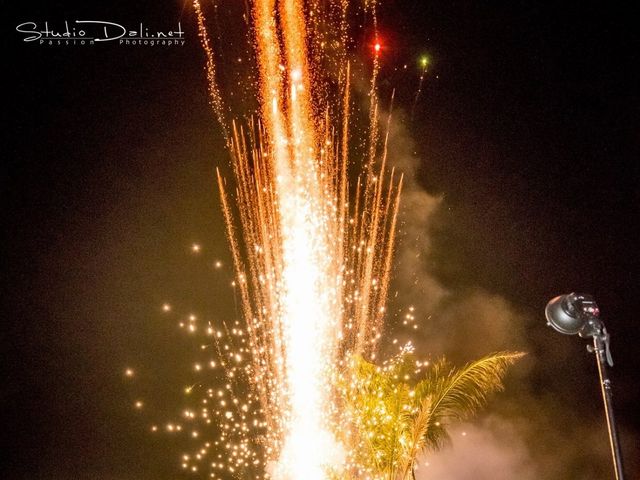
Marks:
<point>527,126</point>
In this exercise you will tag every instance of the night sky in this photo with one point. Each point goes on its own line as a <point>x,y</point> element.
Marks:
<point>526,130</point>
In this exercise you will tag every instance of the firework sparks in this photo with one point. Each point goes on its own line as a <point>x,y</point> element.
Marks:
<point>311,267</point>
<point>423,63</point>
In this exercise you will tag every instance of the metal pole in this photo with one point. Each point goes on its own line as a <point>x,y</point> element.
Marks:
<point>600,349</point>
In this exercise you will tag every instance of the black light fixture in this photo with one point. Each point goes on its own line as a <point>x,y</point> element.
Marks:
<point>578,313</point>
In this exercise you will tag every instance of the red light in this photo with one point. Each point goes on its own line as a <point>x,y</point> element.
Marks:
<point>377,47</point>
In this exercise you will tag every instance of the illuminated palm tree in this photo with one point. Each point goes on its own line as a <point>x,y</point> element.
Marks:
<point>394,416</point>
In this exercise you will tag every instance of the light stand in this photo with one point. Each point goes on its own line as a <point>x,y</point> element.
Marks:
<point>578,314</point>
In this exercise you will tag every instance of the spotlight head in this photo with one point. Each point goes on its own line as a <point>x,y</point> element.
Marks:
<point>570,314</point>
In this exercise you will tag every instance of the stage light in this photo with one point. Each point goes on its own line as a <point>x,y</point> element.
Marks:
<point>577,313</point>
<point>570,314</point>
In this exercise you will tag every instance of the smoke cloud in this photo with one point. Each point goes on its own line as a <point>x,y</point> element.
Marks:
<point>524,435</point>
<point>490,450</point>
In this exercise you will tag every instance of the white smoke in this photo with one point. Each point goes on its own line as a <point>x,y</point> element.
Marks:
<point>524,435</point>
<point>490,450</point>
<point>462,325</point>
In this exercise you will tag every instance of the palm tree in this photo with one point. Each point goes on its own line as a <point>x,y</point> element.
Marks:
<point>393,416</point>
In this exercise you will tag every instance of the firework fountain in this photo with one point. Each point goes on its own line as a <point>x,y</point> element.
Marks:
<point>312,236</point>
<point>312,266</point>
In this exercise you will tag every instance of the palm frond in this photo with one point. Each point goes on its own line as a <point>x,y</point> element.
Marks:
<point>417,436</point>
<point>394,418</point>
<point>456,394</point>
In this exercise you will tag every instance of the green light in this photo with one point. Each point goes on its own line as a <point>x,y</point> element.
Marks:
<point>424,61</point>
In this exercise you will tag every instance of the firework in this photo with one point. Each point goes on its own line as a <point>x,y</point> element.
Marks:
<point>293,391</point>
<point>312,251</point>
<point>424,63</point>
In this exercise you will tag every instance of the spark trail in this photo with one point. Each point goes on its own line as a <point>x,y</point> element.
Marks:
<point>424,63</point>
<point>311,265</point>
